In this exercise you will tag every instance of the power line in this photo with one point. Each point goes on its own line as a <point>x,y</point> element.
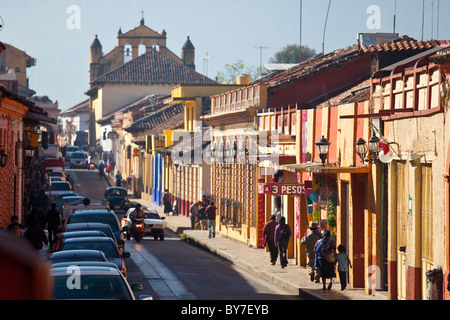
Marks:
<point>260,58</point>
<point>325,28</point>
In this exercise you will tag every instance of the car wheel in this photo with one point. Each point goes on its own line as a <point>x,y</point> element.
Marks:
<point>128,236</point>
<point>161,237</point>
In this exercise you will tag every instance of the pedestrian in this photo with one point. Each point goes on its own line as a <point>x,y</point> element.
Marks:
<point>282,234</point>
<point>53,219</point>
<point>205,201</point>
<point>166,202</point>
<point>14,223</point>
<point>210,213</point>
<point>16,229</point>
<point>325,259</point>
<point>343,264</point>
<point>108,169</point>
<point>269,238</point>
<point>38,215</point>
<point>193,212</point>
<point>101,168</point>
<point>118,179</point>
<point>70,181</point>
<point>202,217</point>
<point>36,235</point>
<point>309,241</point>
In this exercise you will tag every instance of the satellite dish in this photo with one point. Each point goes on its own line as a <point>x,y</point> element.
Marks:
<point>386,158</point>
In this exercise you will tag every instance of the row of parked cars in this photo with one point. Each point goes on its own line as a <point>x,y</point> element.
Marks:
<point>88,255</point>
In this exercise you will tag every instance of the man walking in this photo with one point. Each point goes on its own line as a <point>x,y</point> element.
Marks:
<point>211,219</point>
<point>193,212</point>
<point>282,235</point>
<point>309,240</point>
<point>269,236</point>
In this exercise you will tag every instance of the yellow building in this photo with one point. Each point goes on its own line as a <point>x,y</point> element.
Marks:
<point>126,74</point>
<point>234,169</point>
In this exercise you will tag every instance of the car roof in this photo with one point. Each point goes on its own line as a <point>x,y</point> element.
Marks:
<point>80,225</point>
<point>89,239</point>
<point>92,211</point>
<point>72,197</point>
<point>88,270</point>
<point>77,252</point>
<point>84,263</point>
<point>66,194</point>
<point>86,233</point>
<point>120,188</point>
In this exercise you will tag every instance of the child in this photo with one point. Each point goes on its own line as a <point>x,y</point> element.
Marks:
<point>343,264</point>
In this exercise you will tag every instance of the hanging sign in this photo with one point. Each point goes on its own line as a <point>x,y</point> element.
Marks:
<point>281,189</point>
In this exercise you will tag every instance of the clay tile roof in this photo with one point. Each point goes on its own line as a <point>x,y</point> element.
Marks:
<point>153,67</point>
<point>402,43</point>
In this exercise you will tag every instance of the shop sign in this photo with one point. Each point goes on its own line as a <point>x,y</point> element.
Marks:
<point>281,189</point>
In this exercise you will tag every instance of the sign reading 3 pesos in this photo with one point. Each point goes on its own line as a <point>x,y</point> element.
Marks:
<point>281,189</point>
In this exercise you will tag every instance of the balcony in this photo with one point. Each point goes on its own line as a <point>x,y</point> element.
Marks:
<point>240,99</point>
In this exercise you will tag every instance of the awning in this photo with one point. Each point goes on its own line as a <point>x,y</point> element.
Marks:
<point>317,167</point>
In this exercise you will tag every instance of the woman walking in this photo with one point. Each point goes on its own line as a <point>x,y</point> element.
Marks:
<point>326,258</point>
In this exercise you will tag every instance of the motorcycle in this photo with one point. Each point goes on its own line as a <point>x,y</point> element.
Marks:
<point>138,229</point>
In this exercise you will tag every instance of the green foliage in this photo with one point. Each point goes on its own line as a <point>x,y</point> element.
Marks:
<point>233,70</point>
<point>291,54</point>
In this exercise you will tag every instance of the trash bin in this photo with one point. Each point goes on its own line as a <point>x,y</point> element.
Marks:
<point>434,284</point>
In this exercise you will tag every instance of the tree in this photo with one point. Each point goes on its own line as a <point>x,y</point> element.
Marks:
<point>232,71</point>
<point>291,53</point>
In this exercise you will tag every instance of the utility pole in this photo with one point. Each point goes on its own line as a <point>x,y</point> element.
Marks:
<point>260,58</point>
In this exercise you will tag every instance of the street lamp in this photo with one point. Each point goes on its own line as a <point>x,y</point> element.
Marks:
<point>3,158</point>
<point>323,145</point>
<point>372,149</point>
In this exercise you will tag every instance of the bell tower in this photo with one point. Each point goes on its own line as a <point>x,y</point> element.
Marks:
<point>188,54</point>
<point>96,55</point>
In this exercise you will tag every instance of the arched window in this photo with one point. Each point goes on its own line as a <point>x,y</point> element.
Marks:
<point>141,49</point>
<point>127,53</point>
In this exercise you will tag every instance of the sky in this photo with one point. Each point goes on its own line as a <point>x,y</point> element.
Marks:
<point>58,33</point>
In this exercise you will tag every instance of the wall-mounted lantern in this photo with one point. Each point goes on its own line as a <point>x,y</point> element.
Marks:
<point>368,153</point>
<point>3,158</point>
<point>323,146</point>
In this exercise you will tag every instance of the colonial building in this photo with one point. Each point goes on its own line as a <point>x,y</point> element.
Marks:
<point>122,76</point>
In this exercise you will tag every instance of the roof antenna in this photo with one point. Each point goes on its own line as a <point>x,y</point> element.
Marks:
<point>325,28</point>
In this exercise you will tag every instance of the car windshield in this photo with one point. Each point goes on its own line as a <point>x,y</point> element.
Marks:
<point>80,155</point>
<point>117,192</point>
<point>72,149</point>
<point>108,219</point>
<point>107,247</point>
<point>152,215</point>
<point>60,186</point>
<point>92,287</point>
<point>78,258</point>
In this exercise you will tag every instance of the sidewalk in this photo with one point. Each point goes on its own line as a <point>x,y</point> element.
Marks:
<point>293,278</point>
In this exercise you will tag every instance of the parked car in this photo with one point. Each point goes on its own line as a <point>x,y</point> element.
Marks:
<point>101,216</point>
<point>60,237</point>
<point>78,160</point>
<point>94,226</point>
<point>105,244</point>
<point>77,255</point>
<point>153,224</point>
<point>96,282</point>
<point>63,210</point>
<point>70,150</point>
<point>117,198</point>
<point>57,173</point>
<point>84,263</point>
<point>56,188</point>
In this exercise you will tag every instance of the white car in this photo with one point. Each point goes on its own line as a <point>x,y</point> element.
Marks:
<point>153,224</point>
<point>56,188</point>
<point>70,150</point>
<point>78,159</point>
